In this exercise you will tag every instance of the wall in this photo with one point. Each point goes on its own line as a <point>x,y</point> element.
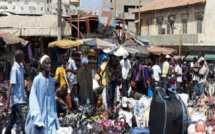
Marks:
<point>209,23</point>
<point>191,37</point>
<point>192,26</point>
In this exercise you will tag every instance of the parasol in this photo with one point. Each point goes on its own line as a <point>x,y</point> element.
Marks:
<point>65,44</point>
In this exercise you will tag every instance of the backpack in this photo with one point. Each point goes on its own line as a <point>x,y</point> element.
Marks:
<point>168,113</point>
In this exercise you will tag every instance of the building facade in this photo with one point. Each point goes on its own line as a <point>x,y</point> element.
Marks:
<point>125,9</point>
<point>191,25</point>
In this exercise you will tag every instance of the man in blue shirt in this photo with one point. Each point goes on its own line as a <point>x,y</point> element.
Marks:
<point>16,93</point>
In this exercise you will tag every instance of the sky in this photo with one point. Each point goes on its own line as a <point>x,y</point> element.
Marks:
<point>91,3</point>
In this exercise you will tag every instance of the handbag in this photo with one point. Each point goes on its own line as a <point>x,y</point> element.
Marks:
<point>105,124</point>
<point>119,125</point>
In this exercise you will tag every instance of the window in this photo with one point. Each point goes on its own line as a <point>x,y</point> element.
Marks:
<point>170,24</point>
<point>184,19</point>
<point>149,23</point>
<point>111,1</point>
<point>199,19</point>
<point>159,23</point>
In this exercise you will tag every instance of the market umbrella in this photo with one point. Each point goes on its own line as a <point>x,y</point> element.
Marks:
<point>142,51</point>
<point>95,43</point>
<point>156,50</point>
<point>10,39</point>
<point>65,44</point>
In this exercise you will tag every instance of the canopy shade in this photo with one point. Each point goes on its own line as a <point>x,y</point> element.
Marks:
<point>96,43</point>
<point>160,50</point>
<point>142,51</point>
<point>10,39</point>
<point>45,25</point>
<point>65,44</point>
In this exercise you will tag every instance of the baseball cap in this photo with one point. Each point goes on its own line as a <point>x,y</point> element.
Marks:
<point>167,56</point>
<point>124,102</point>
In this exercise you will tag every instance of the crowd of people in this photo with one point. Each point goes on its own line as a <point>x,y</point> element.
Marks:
<point>49,96</point>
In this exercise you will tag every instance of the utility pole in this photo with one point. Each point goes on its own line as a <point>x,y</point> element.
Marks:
<point>59,36</point>
<point>139,28</point>
<point>114,11</point>
<point>180,42</point>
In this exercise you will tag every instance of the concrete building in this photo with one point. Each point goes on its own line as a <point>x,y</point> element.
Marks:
<point>124,9</point>
<point>190,23</point>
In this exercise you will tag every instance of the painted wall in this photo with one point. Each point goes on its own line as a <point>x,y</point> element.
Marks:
<point>192,37</point>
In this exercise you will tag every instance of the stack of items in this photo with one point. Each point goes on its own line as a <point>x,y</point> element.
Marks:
<point>127,115</point>
<point>202,116</point>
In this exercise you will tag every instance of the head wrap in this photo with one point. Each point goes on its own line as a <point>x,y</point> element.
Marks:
<point>43,58</point>
<point>84,61</point>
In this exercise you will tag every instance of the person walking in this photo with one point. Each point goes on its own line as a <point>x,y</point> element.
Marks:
<point>105,80</point>
<point>59,75</point>
<point>126,66</point>
<point>156,73</point>
<point>42,115</point>
<point>172,74</point>
<point>179,74</point>
<point>16,93</point>
<point>202,78</point>
<point>165,70</point>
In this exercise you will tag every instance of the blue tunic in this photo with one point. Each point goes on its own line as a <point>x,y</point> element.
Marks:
<point>42,107</point>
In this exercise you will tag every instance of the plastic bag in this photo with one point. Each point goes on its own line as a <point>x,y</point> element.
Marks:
<point>150,93</point>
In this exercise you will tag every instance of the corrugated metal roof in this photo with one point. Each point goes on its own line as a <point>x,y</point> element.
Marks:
<point>163,4</point>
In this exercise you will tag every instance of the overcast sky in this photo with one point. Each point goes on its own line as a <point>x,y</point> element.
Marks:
<point>91,3</point>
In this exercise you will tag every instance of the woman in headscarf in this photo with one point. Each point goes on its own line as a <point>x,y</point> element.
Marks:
<point>42,115</point>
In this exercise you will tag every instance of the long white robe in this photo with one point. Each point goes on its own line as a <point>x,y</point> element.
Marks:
<point>42,107</point>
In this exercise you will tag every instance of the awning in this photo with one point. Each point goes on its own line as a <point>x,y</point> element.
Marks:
<point>190,57</point>
<point>45,25</point>
<point>133,44</point>
<point>160,50</point>
<point>95,43</point>
<point>65,44</point>
<point>209,57</point>
<point>10,39</point>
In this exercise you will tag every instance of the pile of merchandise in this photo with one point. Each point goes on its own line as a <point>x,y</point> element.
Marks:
<point>128,116</point>
<point>202,116</point>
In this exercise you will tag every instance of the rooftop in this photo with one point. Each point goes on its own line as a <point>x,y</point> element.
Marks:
<point>164,4</point>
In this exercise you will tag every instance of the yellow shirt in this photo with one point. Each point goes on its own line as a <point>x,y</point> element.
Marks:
<point>103,74</point>
<point>165,69</point>
<point>62,79</point>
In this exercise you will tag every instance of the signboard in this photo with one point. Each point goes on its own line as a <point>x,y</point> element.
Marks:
<point>107,22</point>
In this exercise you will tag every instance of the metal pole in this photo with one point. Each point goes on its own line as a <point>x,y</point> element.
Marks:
<point>139,29</point>
<point>114,11</point>
<point>180,42</point>
<point>59,36</point>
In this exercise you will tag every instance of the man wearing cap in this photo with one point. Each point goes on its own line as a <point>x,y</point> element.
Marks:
<point>202,78</point>
<point>16,93</point>
<point>42,114</point>
<point>126,66</point>
<point>165,71</point>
